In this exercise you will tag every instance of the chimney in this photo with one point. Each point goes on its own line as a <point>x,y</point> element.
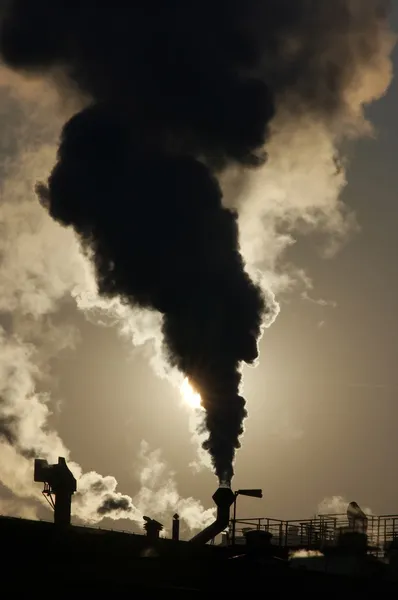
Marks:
<point>223,498</point>
<point>60,483</point>
<point>152,528</point>
<point>176,528</point>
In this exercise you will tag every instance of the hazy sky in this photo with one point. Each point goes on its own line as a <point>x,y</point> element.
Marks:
<point>322,404</point>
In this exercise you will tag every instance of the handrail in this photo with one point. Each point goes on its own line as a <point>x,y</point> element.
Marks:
<point>323,530</point>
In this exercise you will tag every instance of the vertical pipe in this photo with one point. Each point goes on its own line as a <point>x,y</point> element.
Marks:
<point>223,498</point>
<point>62,508</point>
<point>176,528</point>
<point>63,485</point>
<point>234,520</point>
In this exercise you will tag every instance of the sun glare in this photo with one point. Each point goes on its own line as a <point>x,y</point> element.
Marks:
<point>190,397</point>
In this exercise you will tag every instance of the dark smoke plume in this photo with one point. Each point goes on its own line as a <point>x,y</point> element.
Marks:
<point>175,92</point>
<point>7,432</point>
<point>110,505</point>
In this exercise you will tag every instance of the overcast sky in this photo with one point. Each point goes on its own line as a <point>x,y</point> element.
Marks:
<point>322,404</point>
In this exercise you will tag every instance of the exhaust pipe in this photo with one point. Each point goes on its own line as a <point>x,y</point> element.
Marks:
<point>176,528</point>
<point>59,482</point>
<point>223,498</point>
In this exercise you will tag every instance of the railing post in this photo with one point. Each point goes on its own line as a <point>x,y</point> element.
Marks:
<point>385,532</point>
<point>234,520</point>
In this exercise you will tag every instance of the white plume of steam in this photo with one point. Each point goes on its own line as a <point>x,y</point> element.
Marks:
<point>306,554</point>
<point>158,493</point>
<point>12,507</point>
<point>299,188</point>
<point>25,432</point>
<point>42,264</point>
<point>337,505</point>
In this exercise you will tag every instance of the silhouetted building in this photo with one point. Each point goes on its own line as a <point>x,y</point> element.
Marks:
<point>84,561</point>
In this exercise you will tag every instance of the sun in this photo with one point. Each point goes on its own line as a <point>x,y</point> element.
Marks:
<point>189,395</point>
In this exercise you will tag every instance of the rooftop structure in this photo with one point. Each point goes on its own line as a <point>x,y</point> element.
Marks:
<point>337,552</point>
<point>323,531</point>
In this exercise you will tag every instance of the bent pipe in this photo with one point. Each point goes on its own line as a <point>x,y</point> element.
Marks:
<point>223,498</point>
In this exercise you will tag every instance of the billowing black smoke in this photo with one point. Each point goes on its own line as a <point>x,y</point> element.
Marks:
<point>110,505</point>
<point>166,243</point>
<point>177,90</point>
<point>129,177</point>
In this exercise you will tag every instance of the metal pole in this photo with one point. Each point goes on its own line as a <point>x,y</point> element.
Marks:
<point>176,528</point>
<point>234,520</point>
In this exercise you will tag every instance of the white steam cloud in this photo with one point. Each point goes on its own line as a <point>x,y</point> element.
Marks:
<point>25,432</point>
<point>337,505</point>
<point>17,508</point>
<point>40,265</point>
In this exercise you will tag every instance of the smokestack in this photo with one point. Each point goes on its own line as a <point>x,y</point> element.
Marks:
<point>60,483</point>
<point>176,528</point>
<point>223,498</point>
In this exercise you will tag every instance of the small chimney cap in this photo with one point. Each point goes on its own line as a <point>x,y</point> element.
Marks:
<point>152,524</point>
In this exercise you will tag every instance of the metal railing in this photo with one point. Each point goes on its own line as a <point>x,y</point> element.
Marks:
<point>322,530</point>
